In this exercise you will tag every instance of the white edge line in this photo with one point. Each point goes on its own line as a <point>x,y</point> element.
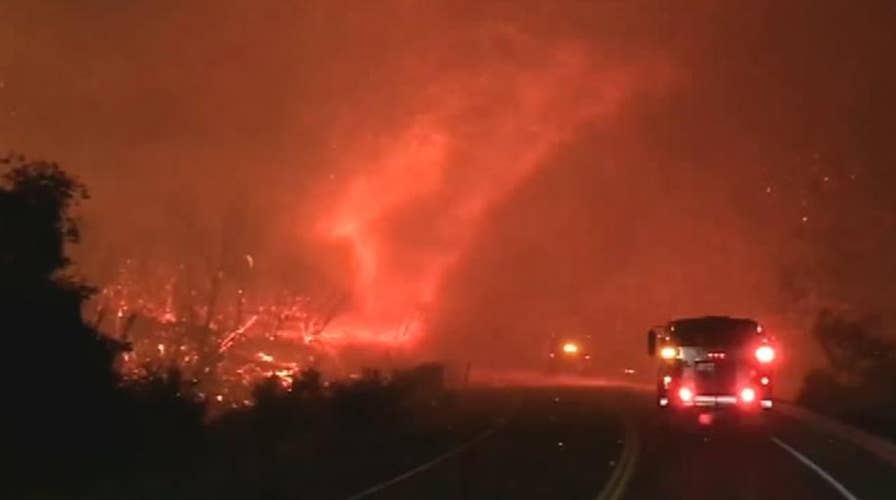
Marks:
<point>881,447</point>
<point>818,470</point>
<point>420,468</point>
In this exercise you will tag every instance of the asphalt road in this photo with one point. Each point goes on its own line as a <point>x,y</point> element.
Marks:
<point>588,443</point>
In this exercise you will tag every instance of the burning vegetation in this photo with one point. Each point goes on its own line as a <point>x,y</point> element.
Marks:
<point>224,341</point>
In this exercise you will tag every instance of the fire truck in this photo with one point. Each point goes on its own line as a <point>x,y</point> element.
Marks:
<point>712,363</point>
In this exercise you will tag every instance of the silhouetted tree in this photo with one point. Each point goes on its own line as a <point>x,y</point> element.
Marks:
<point>60,379</point>
<point>71,421</point>
<point>36,201</point>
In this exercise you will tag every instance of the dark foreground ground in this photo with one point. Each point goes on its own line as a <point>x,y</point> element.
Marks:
<point>525,458</point>
<point>547,442</point>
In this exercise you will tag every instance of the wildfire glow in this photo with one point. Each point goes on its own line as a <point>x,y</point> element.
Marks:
<point>414,194</point>
<point>393,201</point>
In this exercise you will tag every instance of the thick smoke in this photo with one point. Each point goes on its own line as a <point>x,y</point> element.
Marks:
<point>480,174</point>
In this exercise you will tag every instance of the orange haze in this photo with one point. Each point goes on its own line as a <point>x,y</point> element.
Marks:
<point>476,176</point>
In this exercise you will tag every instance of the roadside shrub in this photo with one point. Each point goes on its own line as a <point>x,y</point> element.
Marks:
<point>859,383</point>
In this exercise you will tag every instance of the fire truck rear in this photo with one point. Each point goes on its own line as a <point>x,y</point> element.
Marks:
<point>713,363</point>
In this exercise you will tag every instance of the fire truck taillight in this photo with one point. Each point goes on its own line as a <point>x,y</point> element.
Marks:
<point>747,395</point>
<point>685,394</point>
<point>668,352</point>
<point>765,354</point>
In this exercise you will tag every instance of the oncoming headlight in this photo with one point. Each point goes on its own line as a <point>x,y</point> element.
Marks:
<point>570,348</point>
<point>669,352</point>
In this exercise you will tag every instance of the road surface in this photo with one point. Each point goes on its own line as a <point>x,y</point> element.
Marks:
<point>590,443</point>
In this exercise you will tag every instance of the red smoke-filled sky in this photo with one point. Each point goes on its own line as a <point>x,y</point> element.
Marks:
<point>488,172</point>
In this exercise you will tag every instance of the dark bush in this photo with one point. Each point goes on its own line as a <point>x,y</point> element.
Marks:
<point>859,383</point>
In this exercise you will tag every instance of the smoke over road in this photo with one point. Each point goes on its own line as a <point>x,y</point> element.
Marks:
<point>474,177</point>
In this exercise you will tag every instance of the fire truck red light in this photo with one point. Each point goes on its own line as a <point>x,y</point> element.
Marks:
<point>765,354</point>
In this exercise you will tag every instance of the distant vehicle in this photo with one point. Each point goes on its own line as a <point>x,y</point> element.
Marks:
<point>713,363</point>
<point>569,354</point>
